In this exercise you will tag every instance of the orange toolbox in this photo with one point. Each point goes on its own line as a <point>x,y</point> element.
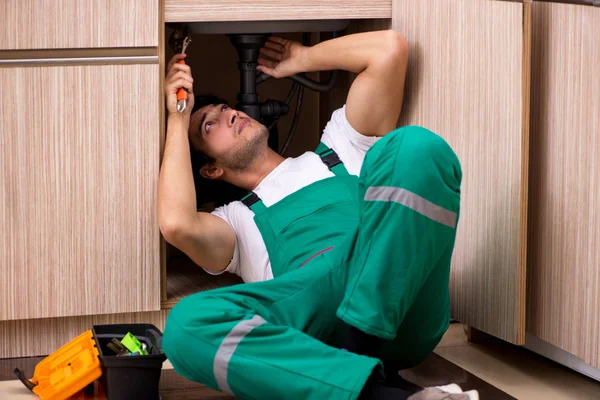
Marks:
<point>75,368</point>
<point>66,371</point>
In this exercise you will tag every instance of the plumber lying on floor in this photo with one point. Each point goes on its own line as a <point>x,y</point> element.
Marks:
<point>346,265</point>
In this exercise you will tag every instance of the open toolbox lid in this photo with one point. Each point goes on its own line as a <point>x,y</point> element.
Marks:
<point>66,371</point>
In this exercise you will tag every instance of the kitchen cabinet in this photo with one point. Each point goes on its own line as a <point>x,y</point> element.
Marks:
<point>468,61</point>
<point>78,24</point>
<point>79,157</point>
<point>80,138</point>
<point>564,259</point>
<point>467,81</point>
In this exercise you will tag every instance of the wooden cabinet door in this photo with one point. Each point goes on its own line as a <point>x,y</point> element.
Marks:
<point>79,162</point>
<point>563,305</point>
<point>63,24</point>
<point>467,81</point>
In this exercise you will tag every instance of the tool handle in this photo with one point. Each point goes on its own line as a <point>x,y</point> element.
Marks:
<point>21,375</point>
<point>181,93</point>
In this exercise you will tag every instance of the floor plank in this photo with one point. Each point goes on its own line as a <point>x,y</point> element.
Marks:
<point>516,370</point>
<point>184,278</point>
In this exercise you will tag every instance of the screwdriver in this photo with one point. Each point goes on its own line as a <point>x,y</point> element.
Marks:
<point>182,94</point>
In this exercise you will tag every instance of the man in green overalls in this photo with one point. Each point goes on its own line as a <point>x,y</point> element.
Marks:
<point>357,256</point>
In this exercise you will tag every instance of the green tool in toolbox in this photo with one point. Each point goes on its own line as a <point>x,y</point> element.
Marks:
<point>134,345</point>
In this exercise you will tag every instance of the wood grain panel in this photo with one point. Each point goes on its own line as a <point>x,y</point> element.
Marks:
<point>564,260</point>
<point>40,337</point>
<point>61,24</point>
<point>466,82</point>
<point>79,160</point>
<point>268,10</point>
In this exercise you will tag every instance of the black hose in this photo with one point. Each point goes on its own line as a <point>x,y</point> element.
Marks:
<point>306,82</point>
<point>316,86</point>
<point>291,93</point>
<point>294,122</point>
<point>295,86</point>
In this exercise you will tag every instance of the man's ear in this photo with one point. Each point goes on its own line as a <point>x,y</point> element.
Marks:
<point>209,171</point>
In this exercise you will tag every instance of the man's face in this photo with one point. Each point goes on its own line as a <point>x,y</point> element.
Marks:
<point>229,136</point>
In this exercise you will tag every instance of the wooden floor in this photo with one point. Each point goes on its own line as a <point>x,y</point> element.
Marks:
<point>515,370</point>
<point>497,370</point>
<point>184,277</point>
<point>434,371</point>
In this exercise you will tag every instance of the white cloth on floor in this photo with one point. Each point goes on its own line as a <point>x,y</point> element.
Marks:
<point>448,392</point>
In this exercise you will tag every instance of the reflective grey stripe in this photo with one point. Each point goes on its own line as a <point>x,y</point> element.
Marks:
<point>227,348</point>
<point>412,201</point>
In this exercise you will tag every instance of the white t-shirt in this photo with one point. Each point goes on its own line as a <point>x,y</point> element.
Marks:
<point>250,258</point>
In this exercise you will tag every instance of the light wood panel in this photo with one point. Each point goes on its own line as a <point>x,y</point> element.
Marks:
<point>79,159</point>
<point>60,24</point>
<point>40,337</point>
<point>564,262</point>
<point>268,10</point>
<point>466,81</point>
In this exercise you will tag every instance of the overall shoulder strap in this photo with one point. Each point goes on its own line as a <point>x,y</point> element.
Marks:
<point>331,159</point>
<point>253,202</point>
<point>321,148</point>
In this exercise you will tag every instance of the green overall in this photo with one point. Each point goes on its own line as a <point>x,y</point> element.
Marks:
<point>372,251</point>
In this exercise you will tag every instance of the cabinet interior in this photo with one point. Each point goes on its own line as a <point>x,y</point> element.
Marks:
<point>213,60</point>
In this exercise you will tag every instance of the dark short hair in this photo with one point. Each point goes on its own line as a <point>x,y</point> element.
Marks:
<point>210,190</point>
<point>199,159</point>
<point>202,100</point>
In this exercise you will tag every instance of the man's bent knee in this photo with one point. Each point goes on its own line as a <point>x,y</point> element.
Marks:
<point>412,151</point>
<point>426,145</point>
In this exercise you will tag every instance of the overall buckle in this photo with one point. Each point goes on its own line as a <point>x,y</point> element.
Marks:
<point>331,159</point>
